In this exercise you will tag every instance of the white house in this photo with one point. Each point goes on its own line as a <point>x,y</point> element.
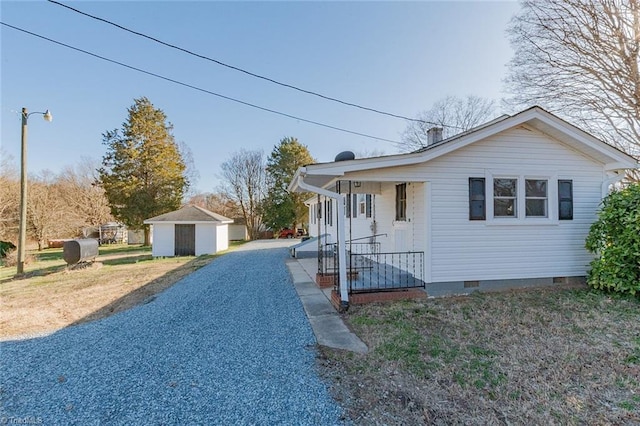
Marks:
<point>189,231</point>
<point>359,211</point>
<point>506,204</point>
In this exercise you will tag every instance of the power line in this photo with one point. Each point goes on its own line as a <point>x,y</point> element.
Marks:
<point>252,74</point>
<point>317,123</point>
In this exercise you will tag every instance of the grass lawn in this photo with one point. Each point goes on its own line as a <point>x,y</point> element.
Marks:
<point>50,296</point>
<point>542,356</point>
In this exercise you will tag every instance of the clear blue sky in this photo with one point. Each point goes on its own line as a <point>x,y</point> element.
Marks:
<point>394,56</point>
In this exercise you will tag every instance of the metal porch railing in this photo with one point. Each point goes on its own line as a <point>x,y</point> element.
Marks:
<point>385,271</point>
<point>369,270</point>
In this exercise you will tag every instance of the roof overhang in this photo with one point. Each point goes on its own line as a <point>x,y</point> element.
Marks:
<point>188,222</point>
<point>324,175</point>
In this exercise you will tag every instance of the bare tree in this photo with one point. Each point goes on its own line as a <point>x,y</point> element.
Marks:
<point>191,172</point>
<point>245,177</point>
<point>9,198</point>
<point>579,59</point>
<point>48,216</point>
<point>369,153</point>
<point>453,114</point>
<point>81,192</point>
<point>217,202</point>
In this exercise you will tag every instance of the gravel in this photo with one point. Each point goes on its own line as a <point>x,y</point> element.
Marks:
<point>228,344</point>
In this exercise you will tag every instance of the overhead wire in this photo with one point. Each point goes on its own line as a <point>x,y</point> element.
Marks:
<point>244,71</point>
<point>191,86</point>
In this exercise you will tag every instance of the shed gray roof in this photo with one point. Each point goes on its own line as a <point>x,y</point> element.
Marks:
<point>190,214</point>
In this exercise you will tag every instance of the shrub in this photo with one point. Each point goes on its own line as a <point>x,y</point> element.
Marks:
<point>5,247</point>
<point>615,240</point>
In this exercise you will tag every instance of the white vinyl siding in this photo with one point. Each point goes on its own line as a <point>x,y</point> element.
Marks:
<point>405,235</point>
<point>489,250</point>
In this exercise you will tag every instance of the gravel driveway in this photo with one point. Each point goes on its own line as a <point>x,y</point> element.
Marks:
<point>229,344</point>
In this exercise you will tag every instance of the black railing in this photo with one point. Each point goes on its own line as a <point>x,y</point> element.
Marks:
<point>328,255</point>
<point>385,271</point>
<point>369,270</point>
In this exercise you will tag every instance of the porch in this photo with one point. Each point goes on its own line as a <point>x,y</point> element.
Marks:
<point>370,271</point>
<point>373,238</point>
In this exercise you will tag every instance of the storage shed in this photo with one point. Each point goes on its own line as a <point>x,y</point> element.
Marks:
<point>190,231</point>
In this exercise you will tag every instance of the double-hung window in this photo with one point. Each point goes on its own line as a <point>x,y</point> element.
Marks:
<point>505,197</point>
<point>520,199</point>
<point>536,198</point>
<point>362,208</point>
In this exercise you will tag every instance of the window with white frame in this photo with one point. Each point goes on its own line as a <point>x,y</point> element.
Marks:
<point>536,197</point>
<point>529,198</point>
<point>505,197</point>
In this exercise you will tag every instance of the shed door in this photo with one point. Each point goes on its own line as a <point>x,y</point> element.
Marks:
<point>185,241</point>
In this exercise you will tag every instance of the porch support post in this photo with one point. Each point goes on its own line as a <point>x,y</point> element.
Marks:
<point>342,255</point>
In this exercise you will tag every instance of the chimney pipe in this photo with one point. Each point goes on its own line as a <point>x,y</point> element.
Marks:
<point>434,135</point>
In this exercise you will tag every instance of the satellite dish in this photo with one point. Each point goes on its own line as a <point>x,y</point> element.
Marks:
<point>345,156</point>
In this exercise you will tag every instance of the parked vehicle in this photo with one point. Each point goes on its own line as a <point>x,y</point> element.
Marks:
<point>287,233</point>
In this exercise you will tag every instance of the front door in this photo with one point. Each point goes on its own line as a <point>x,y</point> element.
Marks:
<point>402,223</point>
<point>185,240</point>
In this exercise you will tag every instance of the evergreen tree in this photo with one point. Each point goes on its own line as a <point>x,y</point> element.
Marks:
<point>142,173</point>
<point>283,209</point>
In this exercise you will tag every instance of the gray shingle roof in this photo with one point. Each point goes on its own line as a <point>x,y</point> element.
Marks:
<point>190,214</point>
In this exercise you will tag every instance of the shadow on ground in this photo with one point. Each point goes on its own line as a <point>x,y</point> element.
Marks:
<point>148,290</point>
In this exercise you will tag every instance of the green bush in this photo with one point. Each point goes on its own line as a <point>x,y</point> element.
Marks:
<point>6,247</point>
<point>615,240</point>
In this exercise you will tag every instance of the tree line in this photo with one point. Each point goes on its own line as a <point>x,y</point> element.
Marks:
<point>58,205</point>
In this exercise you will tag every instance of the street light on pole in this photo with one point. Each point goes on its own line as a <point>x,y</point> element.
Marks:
<point>22,240</point>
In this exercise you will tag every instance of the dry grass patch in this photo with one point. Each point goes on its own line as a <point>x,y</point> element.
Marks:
<point>50,296</point>
<point>543,356</point>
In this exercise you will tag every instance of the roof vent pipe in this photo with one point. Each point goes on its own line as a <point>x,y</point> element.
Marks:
<point>434,135</point>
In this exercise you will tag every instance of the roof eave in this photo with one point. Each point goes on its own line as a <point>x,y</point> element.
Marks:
<point>613,158</point>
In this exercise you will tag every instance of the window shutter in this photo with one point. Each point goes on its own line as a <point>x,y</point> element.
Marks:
<point>477,199</point>
<point>354,205</point>
<point>565,199</point>
<point>369,205</point>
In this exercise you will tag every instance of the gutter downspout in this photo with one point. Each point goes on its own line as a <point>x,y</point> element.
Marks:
<point>342,256</point>
<point>610,181</point>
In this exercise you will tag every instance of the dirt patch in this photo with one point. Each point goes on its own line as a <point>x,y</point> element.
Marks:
<point>50,296</point>
<point>521,357</point>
